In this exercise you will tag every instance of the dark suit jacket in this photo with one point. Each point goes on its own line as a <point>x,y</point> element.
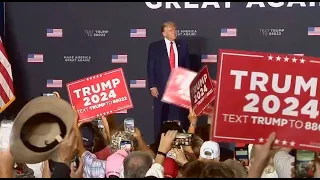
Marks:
<point>159,66</point>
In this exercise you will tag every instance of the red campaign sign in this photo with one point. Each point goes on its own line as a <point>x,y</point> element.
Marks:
<point>100,94</point>
<point>177,90</point>
<point>259,93</point>
<point>202,91</point>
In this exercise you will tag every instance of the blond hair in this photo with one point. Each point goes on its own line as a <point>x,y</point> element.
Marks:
<point>238,169</point>
<point>166,24</point>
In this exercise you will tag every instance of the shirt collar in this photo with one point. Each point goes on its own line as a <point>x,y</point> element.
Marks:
<point>167,41</point>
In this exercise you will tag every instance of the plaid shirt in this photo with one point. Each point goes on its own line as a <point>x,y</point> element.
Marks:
<point>93,167</point>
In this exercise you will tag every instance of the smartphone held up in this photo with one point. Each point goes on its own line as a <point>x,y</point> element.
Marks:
<point>242,155</point>
<point>304,164</point>
<point>53,94</point>
<point>126,145</point>
<point>129,125</point>
<point>183,139</point>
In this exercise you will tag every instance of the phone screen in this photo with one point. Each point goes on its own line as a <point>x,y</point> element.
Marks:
<point>48,94</point>
<point>242,155</point>
<point>126,145</point>
<point>129,125</point>
<point>304,164</point>
<point>75,162</point>
<point>100,125</point>
<point>183,139</point>
<point>5,131</point>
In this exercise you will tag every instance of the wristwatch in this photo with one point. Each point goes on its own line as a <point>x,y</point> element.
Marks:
<point>193,124</point>
<point>162,153</point>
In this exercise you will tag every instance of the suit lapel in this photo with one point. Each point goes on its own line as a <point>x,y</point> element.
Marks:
<point>179,52</point>
<point>164,48</point>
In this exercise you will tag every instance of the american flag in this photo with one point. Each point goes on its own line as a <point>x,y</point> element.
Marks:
<point>138,33</point>
<point>206,58</point>
<point>35,58</point>
<point>119,59</point>
<point>228,32</point>
<point>313,31</point>
<point>54,32</point>
<point>137,83</point>
<point>51,83</point>
<point>6,81</point>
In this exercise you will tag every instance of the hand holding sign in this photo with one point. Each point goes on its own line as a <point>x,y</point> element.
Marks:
<point>277,92</point>
<point>177,91</point>
<point>99,95</point>
<point>201,91</point>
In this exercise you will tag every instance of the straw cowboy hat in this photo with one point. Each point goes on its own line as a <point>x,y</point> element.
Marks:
<point>39,128</point>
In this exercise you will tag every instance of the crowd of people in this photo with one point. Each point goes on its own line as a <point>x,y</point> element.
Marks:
<point>91,151</point>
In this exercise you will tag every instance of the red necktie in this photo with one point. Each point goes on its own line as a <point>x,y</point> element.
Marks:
<point>172,56</point>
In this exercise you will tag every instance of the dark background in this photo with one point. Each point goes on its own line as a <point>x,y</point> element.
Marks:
<point>26,25</point>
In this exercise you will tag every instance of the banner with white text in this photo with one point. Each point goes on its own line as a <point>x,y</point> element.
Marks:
<point>259,93</point>
<point>100,94</point>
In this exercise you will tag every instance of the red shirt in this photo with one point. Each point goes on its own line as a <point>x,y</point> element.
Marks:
<point>104,153</point>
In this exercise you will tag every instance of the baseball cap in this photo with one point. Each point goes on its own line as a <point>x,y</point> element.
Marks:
<point>115,162</point>
<point>171,168</point>
<point>87,135</point>
<point>210,150</point>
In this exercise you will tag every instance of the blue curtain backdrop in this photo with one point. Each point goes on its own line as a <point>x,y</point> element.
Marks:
<point>93,33</point>
<point>2,19</point>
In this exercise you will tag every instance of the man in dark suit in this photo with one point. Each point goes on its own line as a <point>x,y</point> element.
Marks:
<point>163,56</point>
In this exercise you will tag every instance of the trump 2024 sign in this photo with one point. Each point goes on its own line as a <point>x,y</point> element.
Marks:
<point>100,94</point>
<point>259,93</point>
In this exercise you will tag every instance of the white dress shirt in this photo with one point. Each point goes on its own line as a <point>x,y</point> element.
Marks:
<point>168,44</point>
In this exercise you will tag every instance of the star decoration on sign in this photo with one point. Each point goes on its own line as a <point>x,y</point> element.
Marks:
<point>261,140</point>
<point>286,59</point>
<point>279,142</point>
<point>284,142</point>
<point>103,114</point>
<point>93,77</point>
<point>292,143</point>
<point>294,60</point>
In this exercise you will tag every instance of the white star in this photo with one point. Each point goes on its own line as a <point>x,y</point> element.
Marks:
<point>302,61</point>
<point>100,75</point>
<point>294,60</point>
<point>261,140</point>
<point>87,79</point>
<point>278,58</point>
<point>286,59</point>
<point>276,141</point>
<point>93,77</point>
<point>292,143</point>
<point>270,57</point>
<point>284,142</point>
